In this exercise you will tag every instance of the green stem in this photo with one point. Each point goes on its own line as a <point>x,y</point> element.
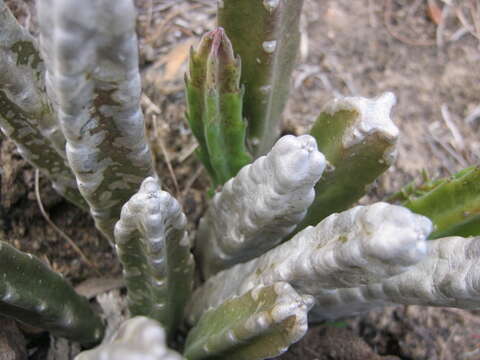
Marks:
<point>33,294</point>
<point>452,204</point>
<point>154,250</point>
<point>214,103</point>
<point>266,36</point>
<point>260,324</point>
<point>358,139</point>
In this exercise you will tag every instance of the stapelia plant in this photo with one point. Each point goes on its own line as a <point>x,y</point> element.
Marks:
<point>265,33</point>
<point>132,340</point>
<point>36,295</point>
<point>215,112</point>
<point>451,203</point>
<point>27,116</point>
<point>93,81</point>
<point>151,229</point>
<point>279,243</point>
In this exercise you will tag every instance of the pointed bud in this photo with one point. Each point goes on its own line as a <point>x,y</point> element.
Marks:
<point>223,68</point>
<point>198,60</point>
<point>215,106</point>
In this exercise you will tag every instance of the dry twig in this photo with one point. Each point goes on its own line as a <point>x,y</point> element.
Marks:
<point>57,229</point>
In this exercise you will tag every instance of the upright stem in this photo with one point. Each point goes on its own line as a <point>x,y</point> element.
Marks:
<point>265,33</point>
<point>92,50</point>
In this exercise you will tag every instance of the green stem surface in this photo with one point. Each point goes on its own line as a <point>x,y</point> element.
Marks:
<point>261,324</point>
<point>266,36</point>
<point>452,204</point>
<point>154,250</point>
<point>358,139</point>
<point>214,107</point>
<point>35,295</point>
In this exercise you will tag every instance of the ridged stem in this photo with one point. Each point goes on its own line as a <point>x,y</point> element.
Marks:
<point>32,293</point>
<point>259,207</point>
<point>92,69</point>
<point>26,116</point>
<point>154,250</point>
<point>360,246</point>
<point>448,276</point>
<point>358,140</point>
<point>261,324</point>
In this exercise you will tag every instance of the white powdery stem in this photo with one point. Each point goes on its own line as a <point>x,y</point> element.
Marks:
<point>261,205</point>
<point>93,77</point>
<point>448,276</point>
<point>137,338</point>
<point>154,249</point>
<point>360,246</point>
<point>374,117</point>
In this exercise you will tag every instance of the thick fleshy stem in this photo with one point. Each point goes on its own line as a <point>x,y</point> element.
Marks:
<point>137,338</point>
<point>265,33</point>
<point>25,113</point>
<point>23,77</point>
<point>154,250</point>
<point>214,106</point>
<point>93,77</point>
<point>260,324</point>
<point>33,294</point>
<point>453,204</point>
<point>259,207</point>
<point>358,138</point>
<point>448,276</point>
<point>360,246</point>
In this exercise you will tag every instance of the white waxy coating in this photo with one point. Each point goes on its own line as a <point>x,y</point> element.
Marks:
<point>448,276</point>
<point>139,338</point>
<point>360,246</point>
<point>287,303</point>
<point>154,249</point>
<point>143,210</point>
<point>261,205</point>
<point>373,117</point>
<point>271,5</point>
<point>269,46</point>
<point>91,53</point>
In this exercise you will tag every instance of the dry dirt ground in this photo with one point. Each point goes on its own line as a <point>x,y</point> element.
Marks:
<point>426,51</point>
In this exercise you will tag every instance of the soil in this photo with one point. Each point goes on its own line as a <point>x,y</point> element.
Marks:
<point>426,52</point>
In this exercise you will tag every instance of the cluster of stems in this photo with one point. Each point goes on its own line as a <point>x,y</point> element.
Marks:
<point>277,240</point>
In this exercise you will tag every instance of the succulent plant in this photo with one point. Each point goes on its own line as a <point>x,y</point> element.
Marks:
<point>27,116</point>
<point>154,249</point>
<point>32,293</point>
<point>280,185</point>
<point>266,35</point>
<point>137,338</point>
<point>360,246</point>
<point>214,98</point>
<point>451,203</point>
<point>263,270</point>
<point>358,138</point>
<point>259,324</point>
<point>447,276</point>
